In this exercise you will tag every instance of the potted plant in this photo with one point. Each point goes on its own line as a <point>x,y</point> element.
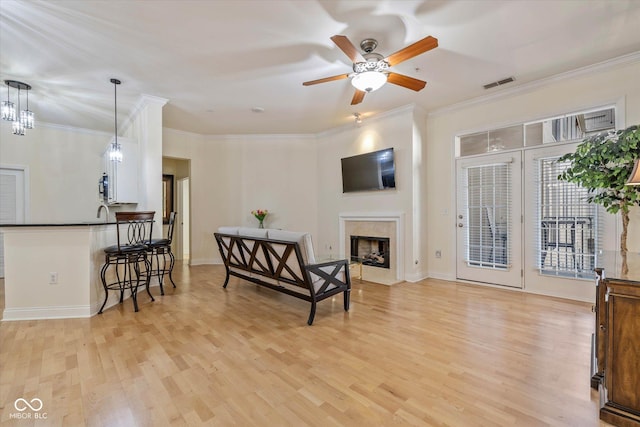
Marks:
<point>602,164</point>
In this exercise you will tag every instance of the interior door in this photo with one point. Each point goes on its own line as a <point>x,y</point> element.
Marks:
<point>12,202</point>
<point>489,219</point>
<point>183,243</point>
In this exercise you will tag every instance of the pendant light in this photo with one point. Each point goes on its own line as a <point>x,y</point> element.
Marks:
<point>22,119</point>
<point>115,151</point>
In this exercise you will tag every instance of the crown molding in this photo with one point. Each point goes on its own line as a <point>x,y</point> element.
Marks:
<point>530,86</point>
<point>72,129</point>
<point>263,137</point>
<point>367,117</point>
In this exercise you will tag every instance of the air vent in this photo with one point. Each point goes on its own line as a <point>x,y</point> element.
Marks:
<point>499,82</point>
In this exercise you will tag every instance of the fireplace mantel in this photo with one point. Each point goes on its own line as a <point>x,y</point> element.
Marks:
<point>397,218</point>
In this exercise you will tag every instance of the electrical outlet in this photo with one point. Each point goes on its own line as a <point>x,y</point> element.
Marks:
<point>438,253</point>
<point>53,278</point>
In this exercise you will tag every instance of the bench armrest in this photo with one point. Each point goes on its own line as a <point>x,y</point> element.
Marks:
<point>329,273</point>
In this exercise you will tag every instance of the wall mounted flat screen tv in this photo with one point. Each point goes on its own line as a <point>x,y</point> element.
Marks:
<point>369,171</point>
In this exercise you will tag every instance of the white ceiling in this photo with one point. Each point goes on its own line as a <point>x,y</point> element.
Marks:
<point>215,60</point>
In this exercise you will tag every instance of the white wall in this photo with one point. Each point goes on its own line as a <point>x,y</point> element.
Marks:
<point>233,175</point>
<point>298,179</point>
<point>64,166</point>
<point>395,129</point>
<point>145,127</point>
<point>610,85</point>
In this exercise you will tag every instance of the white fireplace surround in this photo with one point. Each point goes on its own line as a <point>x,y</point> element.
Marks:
<point>395,217</point>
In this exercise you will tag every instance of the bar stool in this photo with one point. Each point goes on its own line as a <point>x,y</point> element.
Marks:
<point>159,249</point>
<point>134,235</point>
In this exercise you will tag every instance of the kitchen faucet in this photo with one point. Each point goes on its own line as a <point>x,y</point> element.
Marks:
<point>106,209</point>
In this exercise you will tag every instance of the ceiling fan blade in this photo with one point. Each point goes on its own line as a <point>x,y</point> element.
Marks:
<point>406,81</point>
<point>415,49</point>
<point>357,97</point>
<point>326,79</point>
<point>348,48</point>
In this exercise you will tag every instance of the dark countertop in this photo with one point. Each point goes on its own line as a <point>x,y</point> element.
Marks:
<point>59,224</point>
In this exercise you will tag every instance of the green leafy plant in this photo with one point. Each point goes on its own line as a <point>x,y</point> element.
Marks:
<point>602,164</point>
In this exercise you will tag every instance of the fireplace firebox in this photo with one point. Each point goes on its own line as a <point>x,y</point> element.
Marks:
<point>372,251</point>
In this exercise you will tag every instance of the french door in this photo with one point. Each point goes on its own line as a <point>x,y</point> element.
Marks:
<point>519,226</point>
<point>488,219</point>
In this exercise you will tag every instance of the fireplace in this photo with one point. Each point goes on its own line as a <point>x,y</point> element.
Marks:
<point>388,226</point>
<point>371,251</point>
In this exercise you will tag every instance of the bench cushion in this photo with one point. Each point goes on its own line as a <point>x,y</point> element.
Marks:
<point>228,230</point>
<point>252,232</point>
<point>303,240</point>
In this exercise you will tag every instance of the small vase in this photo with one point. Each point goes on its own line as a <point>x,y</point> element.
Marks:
<point>261,224</point>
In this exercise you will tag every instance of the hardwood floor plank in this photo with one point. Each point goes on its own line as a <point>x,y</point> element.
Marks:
<point>432,353</point>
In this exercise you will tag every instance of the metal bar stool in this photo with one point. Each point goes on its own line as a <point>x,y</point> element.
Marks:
<point>134,235</point>
<point>159,249</point>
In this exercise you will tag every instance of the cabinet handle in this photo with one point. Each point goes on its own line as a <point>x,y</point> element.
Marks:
<point>603,328</point>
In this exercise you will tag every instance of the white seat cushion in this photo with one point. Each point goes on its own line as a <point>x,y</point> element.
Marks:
<point>252,232</point>
<point>228,230</point>
<point>303,239</point>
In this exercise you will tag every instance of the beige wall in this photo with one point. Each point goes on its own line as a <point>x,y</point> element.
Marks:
<point>64,166</point>
<point>400,129</point>
<point>297,177</point>
<point>145,128</point>
<point>233,175</point>
<point>613,85</point>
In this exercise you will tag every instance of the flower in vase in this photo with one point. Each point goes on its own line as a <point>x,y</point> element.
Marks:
<point>260,214</point>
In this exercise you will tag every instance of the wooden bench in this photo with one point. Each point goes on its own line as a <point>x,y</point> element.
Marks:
<point>283,261</point>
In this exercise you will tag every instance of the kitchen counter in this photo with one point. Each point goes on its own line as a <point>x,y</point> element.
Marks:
<point>52,271</point>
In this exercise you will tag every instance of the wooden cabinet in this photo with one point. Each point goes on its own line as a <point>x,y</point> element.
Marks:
<point>123,176</point>
<point>617,347</point>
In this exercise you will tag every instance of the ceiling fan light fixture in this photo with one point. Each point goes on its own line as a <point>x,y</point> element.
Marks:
<point>369,81</point>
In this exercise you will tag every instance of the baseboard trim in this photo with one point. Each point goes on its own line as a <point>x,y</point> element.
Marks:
<point>43,313</point>
<point>415,277</point>
<point>442,276</point>
<point>204,261</point>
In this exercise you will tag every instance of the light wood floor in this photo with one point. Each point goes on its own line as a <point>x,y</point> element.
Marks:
<point>432,353</point>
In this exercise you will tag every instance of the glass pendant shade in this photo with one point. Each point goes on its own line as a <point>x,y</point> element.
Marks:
<point>18,127</point>
<point>634,179</point>
<point>115,152</point>
<point>27,119</point>
<point>8,111</point>
<point>369,81</point>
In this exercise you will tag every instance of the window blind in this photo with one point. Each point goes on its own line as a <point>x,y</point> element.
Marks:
<point>567,224</point>
<point>486,200</point>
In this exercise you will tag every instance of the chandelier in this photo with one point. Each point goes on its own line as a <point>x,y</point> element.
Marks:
<point>22,119</point>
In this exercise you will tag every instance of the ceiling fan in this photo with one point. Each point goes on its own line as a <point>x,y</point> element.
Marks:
<point>370,70</point>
